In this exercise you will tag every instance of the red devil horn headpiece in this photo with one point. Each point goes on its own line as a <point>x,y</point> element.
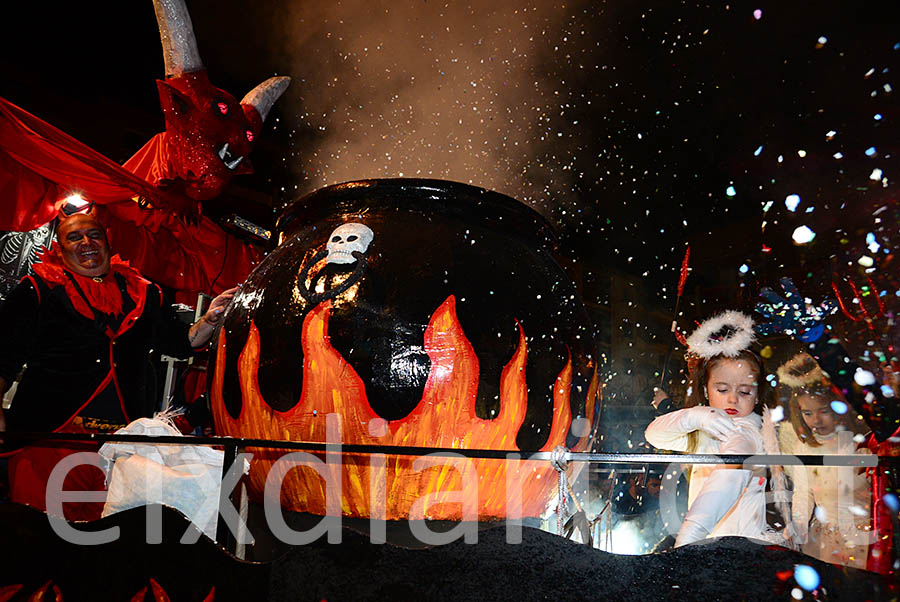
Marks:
<point>177,34</point>
<point>263,96</point>
<point>208,134</point>
<point>181,56</point>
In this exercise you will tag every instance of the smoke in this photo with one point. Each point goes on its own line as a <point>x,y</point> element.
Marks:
<point>477,94</point>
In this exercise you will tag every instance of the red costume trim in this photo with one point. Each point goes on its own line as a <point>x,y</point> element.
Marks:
<point>881,552</point>
<point>102,296</point>
<point>40,165</point>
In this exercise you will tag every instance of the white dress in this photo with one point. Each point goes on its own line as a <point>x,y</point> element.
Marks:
<point>831,505</point>
<point>721,501</point>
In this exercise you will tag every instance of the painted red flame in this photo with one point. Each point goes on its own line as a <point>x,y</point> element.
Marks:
<point>444,418</point>
<point>44,592</point>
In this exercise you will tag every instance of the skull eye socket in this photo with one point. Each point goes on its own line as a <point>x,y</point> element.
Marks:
<point>352,237</point>
<point>335,239</point>
<point>223,107</point>
<point>249,136</point>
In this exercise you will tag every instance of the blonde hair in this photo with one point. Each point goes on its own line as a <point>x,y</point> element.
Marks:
<point>826,393</point>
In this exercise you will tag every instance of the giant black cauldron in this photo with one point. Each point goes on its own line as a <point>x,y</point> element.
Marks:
<point>424,313</point>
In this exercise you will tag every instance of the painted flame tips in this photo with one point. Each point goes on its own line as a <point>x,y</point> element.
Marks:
<point>445,418</point>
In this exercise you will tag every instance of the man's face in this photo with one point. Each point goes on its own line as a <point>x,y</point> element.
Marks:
<point>85,250</point>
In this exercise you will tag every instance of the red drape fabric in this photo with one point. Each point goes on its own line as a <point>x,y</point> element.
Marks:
<point>40,165</point>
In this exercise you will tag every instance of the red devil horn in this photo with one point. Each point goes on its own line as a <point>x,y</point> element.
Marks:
<point>263,96</point>
<point>177,34</point>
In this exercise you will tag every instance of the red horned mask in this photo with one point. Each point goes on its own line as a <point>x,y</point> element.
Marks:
<point>209,134</point>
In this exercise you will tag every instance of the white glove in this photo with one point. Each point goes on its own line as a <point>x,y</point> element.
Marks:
<point>714,422</point>
<point>690,532</point>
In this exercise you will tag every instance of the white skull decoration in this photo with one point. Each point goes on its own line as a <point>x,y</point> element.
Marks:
<point>346,239</point>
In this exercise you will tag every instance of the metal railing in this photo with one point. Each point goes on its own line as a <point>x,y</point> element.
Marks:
<point>558,458</point>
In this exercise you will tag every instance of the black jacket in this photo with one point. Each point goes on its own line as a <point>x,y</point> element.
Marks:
<point>72,359</point>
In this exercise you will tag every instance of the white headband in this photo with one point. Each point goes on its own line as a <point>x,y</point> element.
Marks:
<point>726,334</point>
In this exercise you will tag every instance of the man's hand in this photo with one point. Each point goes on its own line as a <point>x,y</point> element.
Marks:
<point>203,329</point>
<point>658,396</point>
<point>218,306</point>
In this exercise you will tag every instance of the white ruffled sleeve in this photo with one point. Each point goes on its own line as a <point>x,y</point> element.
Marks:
<point>668,432</point>
<point>721,491</point>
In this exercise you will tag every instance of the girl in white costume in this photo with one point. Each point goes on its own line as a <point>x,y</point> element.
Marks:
<point>831,505</point>
<point>721,417</point>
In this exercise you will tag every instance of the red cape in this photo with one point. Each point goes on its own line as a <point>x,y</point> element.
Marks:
<point>41,165</point>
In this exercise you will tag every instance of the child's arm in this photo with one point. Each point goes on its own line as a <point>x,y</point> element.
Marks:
<point>721,491</point>
<point>670,431</point>
<point>802,501</point>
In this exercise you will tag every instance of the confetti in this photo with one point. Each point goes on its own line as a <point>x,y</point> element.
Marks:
<point>891,501</point>
<point>803,235</point>
<point>777,414</point>
<point>806,577</point>
<point>863,377</point>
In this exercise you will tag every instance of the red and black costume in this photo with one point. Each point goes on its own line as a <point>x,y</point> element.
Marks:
<point>87,348</point>
<point>151,202</point>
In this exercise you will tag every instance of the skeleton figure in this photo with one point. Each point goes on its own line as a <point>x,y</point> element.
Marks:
<point>347,239</point>
<point>18,250</point>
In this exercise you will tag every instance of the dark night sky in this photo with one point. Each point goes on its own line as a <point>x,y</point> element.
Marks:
<point>624,123</point>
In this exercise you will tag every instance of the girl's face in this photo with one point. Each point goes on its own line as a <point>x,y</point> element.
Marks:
<point>732,386</point>
<point>817,414</point>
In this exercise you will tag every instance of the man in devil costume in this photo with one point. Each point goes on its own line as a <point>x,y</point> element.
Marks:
<point>84,326</point>
<point>153,201</point>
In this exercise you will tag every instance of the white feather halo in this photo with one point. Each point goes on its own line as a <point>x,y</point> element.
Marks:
<point>726,334</point>
<point>800,371</point>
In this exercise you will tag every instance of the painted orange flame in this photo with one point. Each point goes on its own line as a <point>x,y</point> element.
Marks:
<point>8,591</point>
<point>160,595</point>
<point>444,418</point>
<point>43,593</point>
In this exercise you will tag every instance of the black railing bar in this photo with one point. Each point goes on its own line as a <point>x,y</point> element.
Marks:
<point>858,460</point>
<point>344,448</point>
